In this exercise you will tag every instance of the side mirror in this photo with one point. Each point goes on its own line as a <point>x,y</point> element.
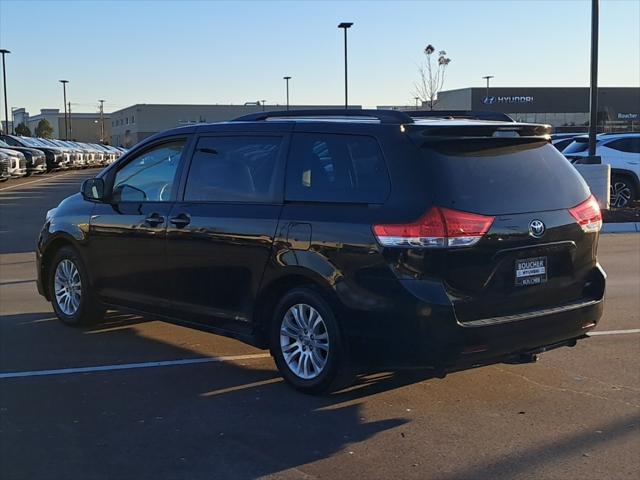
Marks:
<point>93,189</point>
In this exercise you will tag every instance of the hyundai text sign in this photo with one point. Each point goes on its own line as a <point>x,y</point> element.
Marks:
<point>490,100</point>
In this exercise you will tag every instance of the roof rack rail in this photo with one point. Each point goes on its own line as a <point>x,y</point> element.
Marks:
<point>471,114</point>
<point>384,116</point>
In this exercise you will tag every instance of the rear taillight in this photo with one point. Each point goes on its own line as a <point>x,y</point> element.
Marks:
<point>588,215</point>
<point>438,228</point>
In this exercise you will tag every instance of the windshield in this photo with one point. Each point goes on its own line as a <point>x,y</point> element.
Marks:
<point>32,142</point>
<point>45,143</point>
<point>579,145</point>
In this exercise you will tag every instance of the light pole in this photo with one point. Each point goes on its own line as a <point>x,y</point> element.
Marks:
<point>262,102</point>
<point>64,93</point>
<point>487,78</point>
<point>70,127</point>
<point>4,80</point>
<point>593,118</point>
<point>13,120</point>
<point>345,26</point>
<point>416,99</point>
<point>101,120</point>
<point>287,80</point>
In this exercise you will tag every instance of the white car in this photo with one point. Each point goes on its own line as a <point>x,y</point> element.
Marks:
<point>622,152</point>
<point>17,164</point>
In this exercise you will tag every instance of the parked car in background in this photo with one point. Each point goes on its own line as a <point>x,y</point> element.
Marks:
<point>339,239</point>
<point>108,156</point>
<point>78,155</point>
<point>5,162</point>
<point>56,157</point>
<point>18,164</point>
<point>562,140</point>
<point>36,159</point>
<point>115,153</point>
<point>622,152</point>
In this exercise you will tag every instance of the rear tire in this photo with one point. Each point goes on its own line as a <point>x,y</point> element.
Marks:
<point>623,191</point>
<point>306,343</point>
<point>71,296</point>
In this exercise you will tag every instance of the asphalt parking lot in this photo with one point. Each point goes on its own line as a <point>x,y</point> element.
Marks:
<point>165,402</point>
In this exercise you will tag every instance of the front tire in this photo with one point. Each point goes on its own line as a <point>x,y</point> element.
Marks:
<point>73,301</point>
<point>306,342</point>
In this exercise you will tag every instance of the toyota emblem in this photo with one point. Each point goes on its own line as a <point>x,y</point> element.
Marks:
<point>536,228</point>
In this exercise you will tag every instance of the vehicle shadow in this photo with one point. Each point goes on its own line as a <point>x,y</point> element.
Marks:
<point>212,420</point>
<point>531,460</point>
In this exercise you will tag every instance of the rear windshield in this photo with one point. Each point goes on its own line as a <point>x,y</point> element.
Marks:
<point>502,176</point>
<point>577,146</point>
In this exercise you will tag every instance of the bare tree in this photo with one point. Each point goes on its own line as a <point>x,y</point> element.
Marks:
<point>431,75</point>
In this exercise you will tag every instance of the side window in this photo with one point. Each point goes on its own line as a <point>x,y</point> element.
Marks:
<point>627,145</point>
<point>233,169</point>
<point>336,168</point>
<point>149,177</point>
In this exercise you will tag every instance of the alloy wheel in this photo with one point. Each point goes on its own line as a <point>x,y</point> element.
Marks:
<point>304,341</point>
<point>620,194</point>
<point>68,287</point>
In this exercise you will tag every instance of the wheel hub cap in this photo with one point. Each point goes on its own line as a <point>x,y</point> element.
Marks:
<point>304,341</point>
<point>620,194</point>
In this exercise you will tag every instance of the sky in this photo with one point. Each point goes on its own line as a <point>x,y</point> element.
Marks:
<point>207,52</point>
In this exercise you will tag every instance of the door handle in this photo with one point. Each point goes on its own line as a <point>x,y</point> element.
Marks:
<point>154,219</point>
<point>181,221</point>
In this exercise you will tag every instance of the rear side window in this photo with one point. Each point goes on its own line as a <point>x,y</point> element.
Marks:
<point>504,176</point>
<point>627,145</point>
<point>336,168</point>
<point>233,169</point>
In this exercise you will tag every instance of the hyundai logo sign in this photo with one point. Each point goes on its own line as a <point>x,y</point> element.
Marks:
<point>490,100</point>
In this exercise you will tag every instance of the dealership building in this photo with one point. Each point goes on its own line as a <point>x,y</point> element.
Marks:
<point>565,108</point>
<point>137,122</point>
<point>84,127</point>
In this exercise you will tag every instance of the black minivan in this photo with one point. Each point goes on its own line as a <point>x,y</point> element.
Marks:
<point>339,239</point>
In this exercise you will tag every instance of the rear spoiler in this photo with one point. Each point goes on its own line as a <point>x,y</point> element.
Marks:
<point>466,114</point>
<point>482,131</point>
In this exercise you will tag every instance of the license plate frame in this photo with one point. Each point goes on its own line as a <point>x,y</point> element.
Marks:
<point>530,271</point>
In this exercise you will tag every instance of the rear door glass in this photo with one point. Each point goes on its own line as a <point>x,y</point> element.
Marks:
<point>234,169</point>
<point>501,176</point>
<point>336,168</point>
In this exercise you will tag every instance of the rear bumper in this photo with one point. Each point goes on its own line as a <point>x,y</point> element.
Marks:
<point>426,334</point>
<point>467,346</point>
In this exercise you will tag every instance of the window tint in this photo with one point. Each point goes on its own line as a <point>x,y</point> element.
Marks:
<point>237,168</point>
<point>150,176</point>
<point>627,145</point>
<point>336,168</point>
<point>501,176</point>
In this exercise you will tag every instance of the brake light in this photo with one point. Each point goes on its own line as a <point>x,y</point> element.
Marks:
<point>588,215</point>
<point>438,228</point>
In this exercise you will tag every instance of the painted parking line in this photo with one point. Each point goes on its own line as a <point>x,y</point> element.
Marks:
<point>193,361</point>
<point>614,332</point>
<point>39,180</point>
<point>130,366</point>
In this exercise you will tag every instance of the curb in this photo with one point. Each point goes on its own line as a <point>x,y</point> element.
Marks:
<point>626,227</point>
